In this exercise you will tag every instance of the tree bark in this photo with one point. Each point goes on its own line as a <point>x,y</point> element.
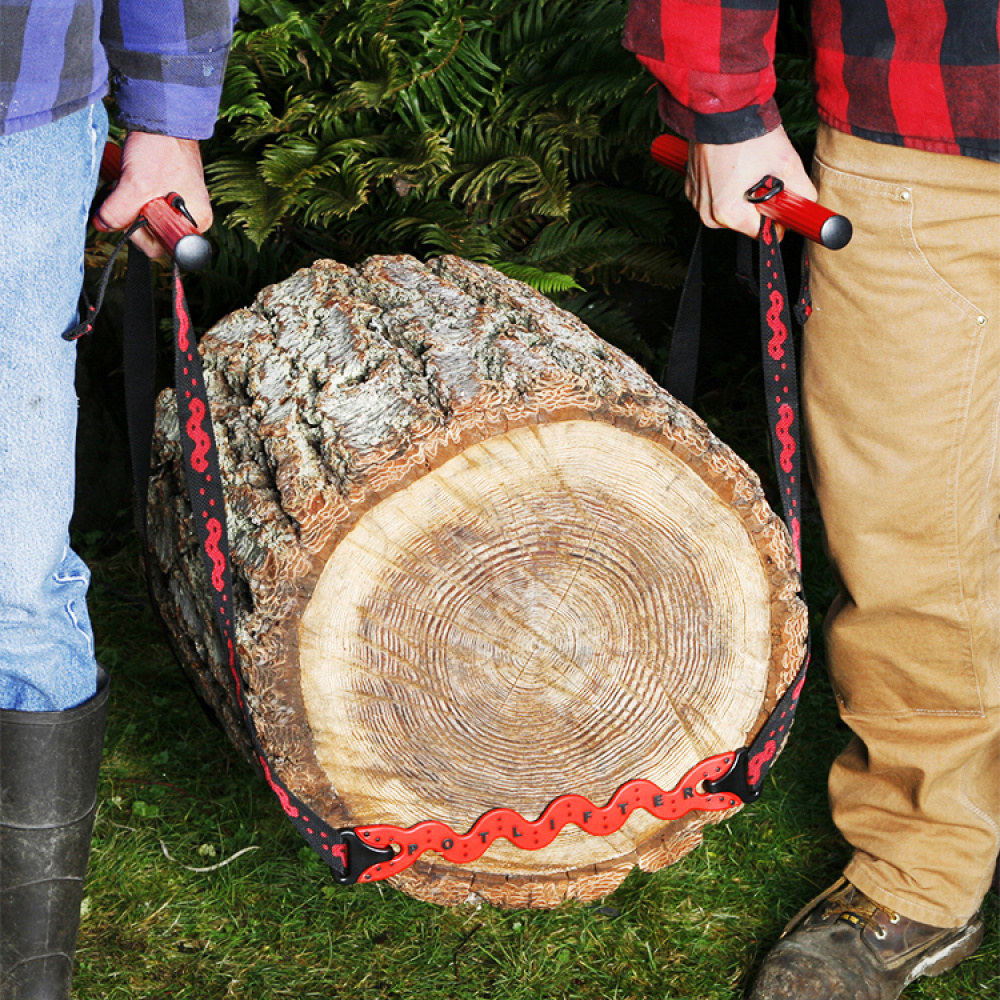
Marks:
<point>481,559</point>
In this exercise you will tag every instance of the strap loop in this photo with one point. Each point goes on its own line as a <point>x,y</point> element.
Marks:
<point>86,324</point>
<point>764,190</point>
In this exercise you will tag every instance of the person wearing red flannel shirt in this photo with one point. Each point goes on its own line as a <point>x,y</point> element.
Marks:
<point>902,411</point>
<point>165,62</point>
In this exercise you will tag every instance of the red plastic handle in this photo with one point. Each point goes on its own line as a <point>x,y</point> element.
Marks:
<point>167,219</point>
<point>797,213</point>
<point>530,835</point>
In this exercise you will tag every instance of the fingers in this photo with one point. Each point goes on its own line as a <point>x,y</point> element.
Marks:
<point>141,238</point>
<point>719,176</point>
<point>713,187</point>
<point>153,166</point>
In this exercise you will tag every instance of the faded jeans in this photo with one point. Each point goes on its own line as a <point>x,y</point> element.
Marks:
<point>47,180</point>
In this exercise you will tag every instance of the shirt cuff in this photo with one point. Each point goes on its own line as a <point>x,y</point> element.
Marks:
<point>175,95</point>
<point>720,128</point>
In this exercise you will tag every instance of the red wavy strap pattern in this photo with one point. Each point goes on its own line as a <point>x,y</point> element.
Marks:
<point>433,835</point>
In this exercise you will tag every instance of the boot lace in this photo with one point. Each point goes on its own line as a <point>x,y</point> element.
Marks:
<point>855,908</point>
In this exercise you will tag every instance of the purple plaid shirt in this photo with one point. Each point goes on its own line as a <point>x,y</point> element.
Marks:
<point>165,60</point>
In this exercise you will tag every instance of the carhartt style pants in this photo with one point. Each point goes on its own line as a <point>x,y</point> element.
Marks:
<point>902,406</point>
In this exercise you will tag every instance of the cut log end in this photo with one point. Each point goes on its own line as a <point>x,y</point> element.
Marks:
<point>482,560</point>
<point>527,619</point>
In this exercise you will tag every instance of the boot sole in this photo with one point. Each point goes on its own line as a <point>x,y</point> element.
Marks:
<point>952,954</point>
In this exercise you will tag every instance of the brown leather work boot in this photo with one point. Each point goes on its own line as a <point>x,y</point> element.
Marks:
<point>844,946</point>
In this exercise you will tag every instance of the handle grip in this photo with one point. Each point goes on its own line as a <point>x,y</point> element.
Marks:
<point>167,217</point>
<point>799,214</point>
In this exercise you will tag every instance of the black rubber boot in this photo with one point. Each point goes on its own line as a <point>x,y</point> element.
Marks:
<point>49,763</point>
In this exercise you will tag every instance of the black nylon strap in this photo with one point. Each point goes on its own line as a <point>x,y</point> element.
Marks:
<point>204,483</point>
<point>780,379</point>
<point>90,310</point>
<point>781,386</point>
<point>685,345</point>
<point>784,419</point>
<point>139,362</point>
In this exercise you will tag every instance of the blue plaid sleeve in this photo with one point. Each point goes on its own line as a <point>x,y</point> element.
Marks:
<point>51,61</point>
<point>167,62</point>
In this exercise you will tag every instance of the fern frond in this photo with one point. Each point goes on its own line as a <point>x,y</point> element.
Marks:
<point>566,246</point>
<point>546,282</point>
<point>509,131</point>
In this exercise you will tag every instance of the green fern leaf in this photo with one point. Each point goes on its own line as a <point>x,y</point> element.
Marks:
<point>546,282</point>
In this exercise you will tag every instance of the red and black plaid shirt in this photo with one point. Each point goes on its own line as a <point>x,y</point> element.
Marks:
<point>918,73</point>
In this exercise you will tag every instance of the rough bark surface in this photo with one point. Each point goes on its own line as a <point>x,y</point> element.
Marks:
<point>481,559</point>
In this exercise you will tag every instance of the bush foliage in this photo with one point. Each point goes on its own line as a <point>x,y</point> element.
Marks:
<point>514,132</point>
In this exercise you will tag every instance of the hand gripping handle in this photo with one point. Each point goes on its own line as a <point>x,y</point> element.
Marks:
<point>799,214</point>
<point>168,219</point>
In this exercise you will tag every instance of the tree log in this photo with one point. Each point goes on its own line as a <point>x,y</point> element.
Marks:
<point>481,559</point>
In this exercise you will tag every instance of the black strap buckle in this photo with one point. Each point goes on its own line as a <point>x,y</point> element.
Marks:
<point>765,189</point>
<point>736,780</point>
<point>360,857</point>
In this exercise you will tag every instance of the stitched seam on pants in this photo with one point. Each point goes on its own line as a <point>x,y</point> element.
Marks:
<point>980,813</point>
<point>989,515</point>
<point>908,235</point>
<point>988,821</point>
<point>861,184</point>
<point>944,287</point>
<point>856,182</point>
<point>910,713</point>
<point>955,558</point>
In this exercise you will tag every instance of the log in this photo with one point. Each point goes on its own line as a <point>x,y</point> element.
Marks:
<point>481,559</point>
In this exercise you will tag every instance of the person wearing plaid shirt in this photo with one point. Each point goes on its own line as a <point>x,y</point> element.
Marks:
<point>902,412</point>
<point>163,63</point>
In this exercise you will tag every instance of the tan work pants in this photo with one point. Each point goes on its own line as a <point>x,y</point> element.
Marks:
<point>902,405</point>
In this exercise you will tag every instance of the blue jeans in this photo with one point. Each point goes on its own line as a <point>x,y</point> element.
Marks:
<point>47,180</point>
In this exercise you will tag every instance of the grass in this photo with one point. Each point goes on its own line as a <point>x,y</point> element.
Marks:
<point>272,924</point>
